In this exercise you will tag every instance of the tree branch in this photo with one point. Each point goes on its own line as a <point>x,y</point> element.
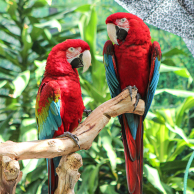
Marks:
<point>68,174</point>
<point>10,175</point>
<point>86,132</point>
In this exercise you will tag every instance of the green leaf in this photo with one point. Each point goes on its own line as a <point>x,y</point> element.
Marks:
<point>174,166</point>
<point>178,131</point>
<point>174,52</point>
<point>107,189</point>
<point>40,3</point>
<point>86,178</point>
<point>153,177</point>
<point>107,144</point>
<point>88,29</point>
<point>181,110</point>
<point>91,90</point>
<point>5,123</point>
<point>179,93</point>
<point>49,24</point>
<point>38,172</point>
<point>12,6</point>
<point>93,181</point>
<point>168,62</point>
<point>20,83</point>
<point>181,71</point>
<point>83,8</point>
<point>27,41</point>
<point>28,129</point>
<point>2,83</point>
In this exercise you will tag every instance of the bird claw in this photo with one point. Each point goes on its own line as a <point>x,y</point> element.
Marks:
<point>130,90</point>
<point>87,112</point>
<point>138,96</point>
<point>71,136</point>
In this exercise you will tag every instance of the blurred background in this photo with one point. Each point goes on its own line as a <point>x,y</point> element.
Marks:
<point>28,31</point>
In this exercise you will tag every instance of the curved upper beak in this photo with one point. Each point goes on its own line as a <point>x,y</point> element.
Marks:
<point>111,30</point>
<point>82,60</point>
<point>115,32</point>
<point>86,58</point>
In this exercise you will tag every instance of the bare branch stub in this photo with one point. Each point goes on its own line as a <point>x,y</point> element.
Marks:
<point>10,175</point>
<point>68,174</point>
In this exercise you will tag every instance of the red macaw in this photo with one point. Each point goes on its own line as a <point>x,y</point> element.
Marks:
<point>132,61</point>
<point>59,104</point>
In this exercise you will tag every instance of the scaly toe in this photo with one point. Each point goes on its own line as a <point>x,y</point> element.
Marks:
<point>138,96</point>
<point>71,136</point>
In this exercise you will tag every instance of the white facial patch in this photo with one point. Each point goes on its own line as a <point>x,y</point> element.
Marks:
<point>72,53</point>
<point>123,23</point>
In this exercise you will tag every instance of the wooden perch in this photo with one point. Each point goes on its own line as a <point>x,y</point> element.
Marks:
<point>68,174</point>
<point>10,175</point>
<point>86,132</point>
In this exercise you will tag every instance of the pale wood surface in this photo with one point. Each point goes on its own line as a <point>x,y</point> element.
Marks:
<point>68,174</point>
<point>86,132</point>
<point>10,175</point>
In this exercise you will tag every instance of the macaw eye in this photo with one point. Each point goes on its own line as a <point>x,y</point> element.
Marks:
<point>123,19</point>
<point>71,49</point>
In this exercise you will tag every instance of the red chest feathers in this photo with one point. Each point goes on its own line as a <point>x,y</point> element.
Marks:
<point>133,66</point>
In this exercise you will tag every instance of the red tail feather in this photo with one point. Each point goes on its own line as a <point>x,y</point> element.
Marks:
<point>52,179</point>
<point>133,157</point>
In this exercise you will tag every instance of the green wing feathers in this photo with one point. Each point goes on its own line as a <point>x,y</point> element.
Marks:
<point>47,110</point>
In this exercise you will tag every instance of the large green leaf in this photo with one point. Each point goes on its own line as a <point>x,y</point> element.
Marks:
<point>174,52</point>
<point>107,189</point>
<point>181,71</point>
<point>12,7</point>
<point>181,110</point>
<point>4,125</point>
<point>28,129</point>
<point>107,144</point>
<point>179,93</point>
<point>86,178</point>
<point>174,166</point>
<point>153,177</point>
<point>27,41</point>
<point>20,83</point>
<point>49,24</point>
<point>83,8</point>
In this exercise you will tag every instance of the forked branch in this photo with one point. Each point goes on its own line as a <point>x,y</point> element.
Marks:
<point>86,132</point>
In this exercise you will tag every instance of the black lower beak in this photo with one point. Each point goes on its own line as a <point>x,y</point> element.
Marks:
<point>121,33</point>
<point>77,62</point>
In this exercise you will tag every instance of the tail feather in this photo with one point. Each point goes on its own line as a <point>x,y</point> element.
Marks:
<point>52,164</point>
<point>133,156</point>
<point>130,141</point>
<point>131,169</point>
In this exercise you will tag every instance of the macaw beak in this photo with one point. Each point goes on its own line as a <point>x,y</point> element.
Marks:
<point>111,30</point>
<point>115,32</point>
<point>86,60</point>
<point>82,60</point>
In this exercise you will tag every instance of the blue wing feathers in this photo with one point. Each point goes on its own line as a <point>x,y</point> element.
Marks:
<point>115,89</point>
<point>52,122</point>
<point>152,86</point>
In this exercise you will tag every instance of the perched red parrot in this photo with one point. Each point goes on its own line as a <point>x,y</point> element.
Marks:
<point>132,61</point>
<point>59,104</point>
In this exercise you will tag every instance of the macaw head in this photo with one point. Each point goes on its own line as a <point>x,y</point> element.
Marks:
<point>65,57</point>
<point>126,27</point>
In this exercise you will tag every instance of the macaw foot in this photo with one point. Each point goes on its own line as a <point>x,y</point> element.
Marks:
<point>71,136</point>
<point>130,90</point>
<point>87,112</point>
<point>138,96</point>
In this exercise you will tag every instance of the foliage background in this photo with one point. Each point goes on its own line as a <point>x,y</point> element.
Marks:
<point>28,31</point>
